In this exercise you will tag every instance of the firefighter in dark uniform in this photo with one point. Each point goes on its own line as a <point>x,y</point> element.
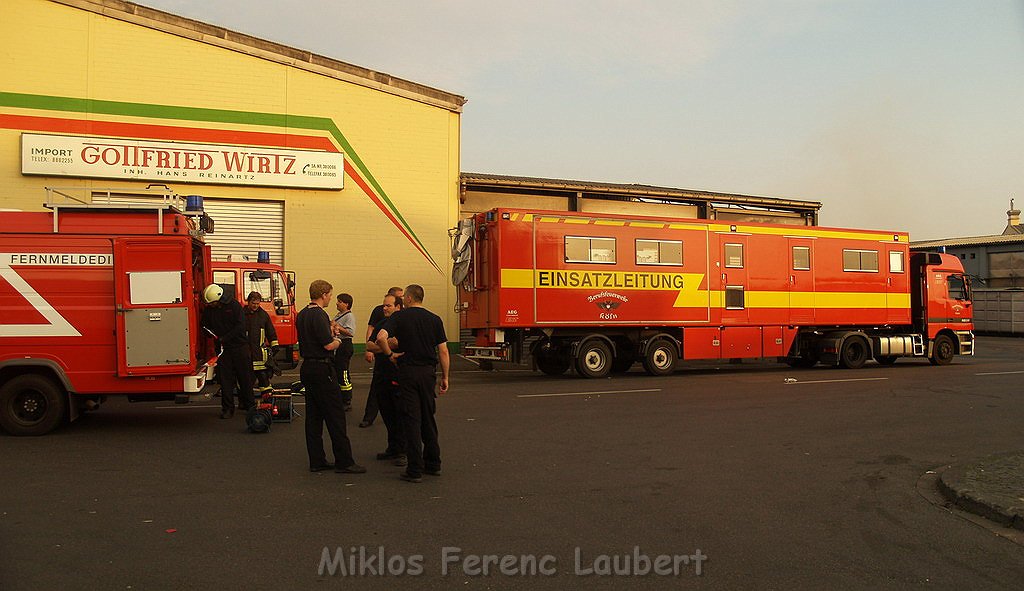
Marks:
<point>419,334</point>
<point>384,385</point>
<point>323,396</point>
<point>223,316</point>
<point>262,342</point>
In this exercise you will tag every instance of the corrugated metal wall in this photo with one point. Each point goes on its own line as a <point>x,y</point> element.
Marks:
<point>241,228</point>
<point>998,311</point>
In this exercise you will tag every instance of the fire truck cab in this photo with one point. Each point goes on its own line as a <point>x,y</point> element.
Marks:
<point>277,286</point>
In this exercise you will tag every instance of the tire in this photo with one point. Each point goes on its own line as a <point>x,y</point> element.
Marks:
<point>854,353</point>
<point>31,404</point>
<point>886,359</point>
<point>554,362</point>
<point>594,359</point>
<point>942,350</point>
<point>623,362</point>
<point>660,358</point>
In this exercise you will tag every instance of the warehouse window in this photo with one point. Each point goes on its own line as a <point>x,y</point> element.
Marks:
<point>895,261</point>
<point>801,258</point>
<point>659,252</point>
<point>860,260</point>
<point>734,256</point>
<point>734,297</point>
<point>585,249</point>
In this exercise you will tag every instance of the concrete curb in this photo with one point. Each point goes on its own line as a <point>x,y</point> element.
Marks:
<point>992,487</point>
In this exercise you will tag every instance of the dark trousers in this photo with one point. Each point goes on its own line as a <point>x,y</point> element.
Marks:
<point>324,405</point>
<point>234,370</point>
<point>386,392</point>
<point>372,403</point>
<point>416,409</point>
<point>263,380</point>
<point>342,359</point>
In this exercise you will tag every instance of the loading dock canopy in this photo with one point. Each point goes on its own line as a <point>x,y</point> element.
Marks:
<point>481,192</point>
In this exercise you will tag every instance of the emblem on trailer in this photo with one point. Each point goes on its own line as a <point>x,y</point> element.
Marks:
<point>608,305</point>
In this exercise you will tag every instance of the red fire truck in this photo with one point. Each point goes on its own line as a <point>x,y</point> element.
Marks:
<point>277,287</point>
<point>601,292</point>
<point>98,300</point>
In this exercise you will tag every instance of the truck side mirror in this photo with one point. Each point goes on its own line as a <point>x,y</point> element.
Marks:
<point>279,307</point>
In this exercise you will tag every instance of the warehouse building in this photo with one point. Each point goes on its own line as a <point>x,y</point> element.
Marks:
<point>323,163</point>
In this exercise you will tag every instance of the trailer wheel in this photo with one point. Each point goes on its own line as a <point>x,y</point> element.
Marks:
<point>660,359</point>
<point>31,404</point>
<point>942,350</point>
<point>854,353</point>
<point>553,362</point>
<point>886,359</point>
<point>623,361</point>
<point>594,359</point>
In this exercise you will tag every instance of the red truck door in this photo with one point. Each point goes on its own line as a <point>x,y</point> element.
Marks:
<point>898,287</point>
<point>733,278</point>
<point>152,291</point>
<point>801,281</point>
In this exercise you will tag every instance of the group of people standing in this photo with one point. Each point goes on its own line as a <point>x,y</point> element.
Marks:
<point>406,343</point>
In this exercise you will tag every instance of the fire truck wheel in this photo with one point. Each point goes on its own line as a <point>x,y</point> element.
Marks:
<point>942,350</point>
<point>31,405</point>
<point>594,359</point>
<point>886,359</point>
<point>854,353</point>
<point>660,359</point>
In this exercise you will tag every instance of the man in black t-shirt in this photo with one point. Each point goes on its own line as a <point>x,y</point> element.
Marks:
<point>323,395</point>
<point>384,387</point>
<point>376,316</point>
<point>419,334</point>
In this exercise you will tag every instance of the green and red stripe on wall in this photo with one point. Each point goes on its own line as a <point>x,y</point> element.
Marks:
<point>355,168</point>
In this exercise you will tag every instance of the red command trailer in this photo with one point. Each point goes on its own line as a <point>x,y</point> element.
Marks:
<point>98,300</point>
<point>601,292</point>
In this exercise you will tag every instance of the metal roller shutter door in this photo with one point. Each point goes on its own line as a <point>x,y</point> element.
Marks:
<point>241,228</point>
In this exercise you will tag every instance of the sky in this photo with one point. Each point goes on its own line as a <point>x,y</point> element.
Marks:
<point>895,114</point>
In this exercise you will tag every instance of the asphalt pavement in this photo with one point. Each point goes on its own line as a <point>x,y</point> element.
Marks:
<point>737,471</point>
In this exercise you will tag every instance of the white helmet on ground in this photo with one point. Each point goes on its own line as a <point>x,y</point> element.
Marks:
<point>212,293</point>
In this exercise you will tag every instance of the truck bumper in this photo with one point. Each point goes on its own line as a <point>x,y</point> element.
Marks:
<point>195,383</point>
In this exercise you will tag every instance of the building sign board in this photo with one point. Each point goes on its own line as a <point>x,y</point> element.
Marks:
<point>114,158</point>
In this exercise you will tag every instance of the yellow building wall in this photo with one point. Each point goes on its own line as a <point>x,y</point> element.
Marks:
<point>411,148</point>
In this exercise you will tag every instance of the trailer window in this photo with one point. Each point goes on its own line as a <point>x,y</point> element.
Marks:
<point>734,256</point>
<point>734,297</point>
<point>585,249</point>
<point>895,261</point>
<point>860,260</point>
<point>659,252</point>
<point>801,258</point>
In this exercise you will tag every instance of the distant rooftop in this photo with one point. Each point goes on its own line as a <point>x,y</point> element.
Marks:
<point>635,190</point>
